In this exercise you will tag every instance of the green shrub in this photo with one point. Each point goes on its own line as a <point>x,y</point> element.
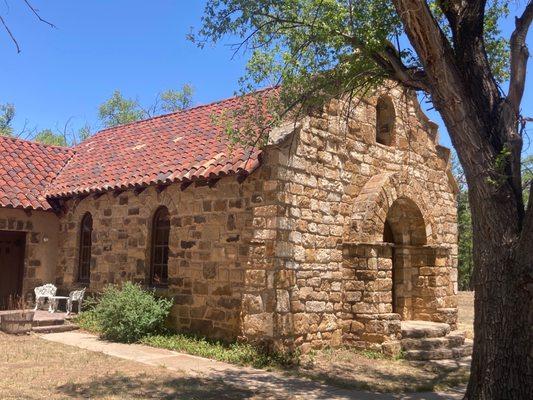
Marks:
<point>87,320</point>
<point>127,314</point>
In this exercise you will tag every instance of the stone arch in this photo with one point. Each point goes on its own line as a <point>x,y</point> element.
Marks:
<point>166,199</point>
<point>371,207</point>
<point>405,224</point>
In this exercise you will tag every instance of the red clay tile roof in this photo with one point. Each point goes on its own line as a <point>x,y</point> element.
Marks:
<point>26,169</point>
<point>182,146</point>
<point>186,145</point>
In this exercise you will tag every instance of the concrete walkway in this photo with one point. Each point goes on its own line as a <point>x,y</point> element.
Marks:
<point>279,385</point>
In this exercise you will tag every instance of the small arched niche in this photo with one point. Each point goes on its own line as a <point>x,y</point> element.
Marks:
<point>385,118</point>
<point>405,224</point>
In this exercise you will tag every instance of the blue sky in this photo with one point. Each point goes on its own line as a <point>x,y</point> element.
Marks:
<point>139,47</point>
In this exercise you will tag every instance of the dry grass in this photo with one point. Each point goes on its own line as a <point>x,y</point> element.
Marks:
<point>32,368</point>
<point>352,369</point>
<point>466,313</point>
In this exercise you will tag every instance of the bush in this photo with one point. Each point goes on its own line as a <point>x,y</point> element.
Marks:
<point>88,321</point>
<point>127,314</point>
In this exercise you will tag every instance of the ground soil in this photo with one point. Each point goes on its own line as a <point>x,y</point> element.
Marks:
<point>350,368</point>
<point>32,368</point>
<point>466,312</point>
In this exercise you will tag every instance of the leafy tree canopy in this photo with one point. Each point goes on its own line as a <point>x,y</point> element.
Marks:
<point>47,136</point>
<point>7,113</point>
<point>119,110</point>
<point>176,100</point>
<point>332,46</point>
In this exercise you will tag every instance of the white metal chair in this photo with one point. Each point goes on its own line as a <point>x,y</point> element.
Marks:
<point>43,293</point>
<point>75,295</point>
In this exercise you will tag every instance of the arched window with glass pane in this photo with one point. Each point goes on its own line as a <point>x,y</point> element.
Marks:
<point>159,256</point>
<point>84,266</point>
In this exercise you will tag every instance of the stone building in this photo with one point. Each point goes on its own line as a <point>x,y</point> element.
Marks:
<point>337,230</point>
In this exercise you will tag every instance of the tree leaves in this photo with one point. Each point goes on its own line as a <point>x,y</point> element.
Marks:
<point>119,110</point>
<point>328,47</point>
<point>7,113</point>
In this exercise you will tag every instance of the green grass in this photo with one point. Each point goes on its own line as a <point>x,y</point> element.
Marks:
<point>234,353</point>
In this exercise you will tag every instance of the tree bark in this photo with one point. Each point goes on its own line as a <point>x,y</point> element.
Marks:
<point>501,363</point>
<point>483,127</point>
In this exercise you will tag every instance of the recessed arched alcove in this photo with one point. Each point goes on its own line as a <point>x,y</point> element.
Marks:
<point>385,119</point>
<point>405,224</point>
<point>405,228</point>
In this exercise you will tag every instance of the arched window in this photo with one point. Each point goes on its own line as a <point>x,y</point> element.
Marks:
<point>159,258</point>
<point>84,266</point>
<point>385,117</point>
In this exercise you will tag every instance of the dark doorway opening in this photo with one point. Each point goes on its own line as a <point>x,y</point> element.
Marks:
<point>12,246</point>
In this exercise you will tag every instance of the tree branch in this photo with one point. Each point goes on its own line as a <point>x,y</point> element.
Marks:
<point>10,34</point>
<point>519,57</point>
<point>431,45</point>
<point>388,59</point>
<point>36,13</point>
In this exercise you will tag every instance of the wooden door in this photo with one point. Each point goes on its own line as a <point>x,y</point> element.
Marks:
<point>12,246</point>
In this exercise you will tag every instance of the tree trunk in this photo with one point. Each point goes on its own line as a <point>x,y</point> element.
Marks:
<point>501,362</point>
<point>503,257</point>
<point>483,127</point>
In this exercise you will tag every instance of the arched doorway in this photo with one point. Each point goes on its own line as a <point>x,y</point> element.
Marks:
<point>405,229</point>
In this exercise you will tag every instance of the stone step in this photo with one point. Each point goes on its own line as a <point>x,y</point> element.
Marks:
<point>48,322</point>
<point>443,365</point>
<point>424,329</point>
<point>455,353</point>
<point>453,339</point>
<point>55,328</point>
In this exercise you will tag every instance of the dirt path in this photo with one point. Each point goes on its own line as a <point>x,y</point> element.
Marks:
<point>257,383</point>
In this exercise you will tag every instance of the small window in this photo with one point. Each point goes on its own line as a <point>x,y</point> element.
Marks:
<point>86,230</point>
<point>159,258</point>
<point>385,118</point>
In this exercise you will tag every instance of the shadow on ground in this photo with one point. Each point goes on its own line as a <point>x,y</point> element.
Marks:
<point>145,387</point>
<point>349,369</point>
<point>224,385</point>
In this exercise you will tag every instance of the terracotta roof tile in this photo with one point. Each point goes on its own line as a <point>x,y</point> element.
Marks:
<point>186,145</point>
<point>26,169</point>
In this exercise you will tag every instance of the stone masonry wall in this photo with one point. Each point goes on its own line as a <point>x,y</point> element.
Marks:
<point>321,174</point>
<point>210,234</point>
<point>295,255</point>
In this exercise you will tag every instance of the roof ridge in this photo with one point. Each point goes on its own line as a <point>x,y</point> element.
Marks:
<point>180,111</point>
<point>70,158</point>
<point>16,139</point>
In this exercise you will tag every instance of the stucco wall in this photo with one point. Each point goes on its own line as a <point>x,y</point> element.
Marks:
<point>42,244</point>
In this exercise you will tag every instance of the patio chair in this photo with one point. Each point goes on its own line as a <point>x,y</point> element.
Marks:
<point>75,295</point>
<point>43,293</point>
